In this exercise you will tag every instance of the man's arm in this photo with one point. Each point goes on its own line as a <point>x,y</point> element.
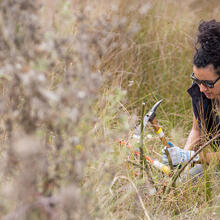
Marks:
<point>194,135</point>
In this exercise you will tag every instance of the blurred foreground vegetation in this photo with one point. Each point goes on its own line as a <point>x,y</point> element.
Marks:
<point>73,77</point>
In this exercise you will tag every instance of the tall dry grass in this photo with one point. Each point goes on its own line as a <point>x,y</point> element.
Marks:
<point>73,77</point>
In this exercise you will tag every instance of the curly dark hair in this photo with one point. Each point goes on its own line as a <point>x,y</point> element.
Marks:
<point>209,41</point>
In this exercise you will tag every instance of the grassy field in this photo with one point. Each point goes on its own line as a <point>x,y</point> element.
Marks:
<point>73,77</point>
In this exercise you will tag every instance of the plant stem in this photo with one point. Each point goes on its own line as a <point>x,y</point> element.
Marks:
<point>208,193</point>
<point>142,135</point>
<point>147,171</point>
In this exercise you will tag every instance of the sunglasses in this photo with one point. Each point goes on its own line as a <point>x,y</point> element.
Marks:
<point>206,83</point>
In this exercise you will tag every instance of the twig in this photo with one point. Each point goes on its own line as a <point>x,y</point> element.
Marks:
<point>147,170</point>
<point>142,136</point>
<point>135,164</point>
<point>138,194</point>
<point>169,158</point>
<point>177,174</point>
<point>208,193</point>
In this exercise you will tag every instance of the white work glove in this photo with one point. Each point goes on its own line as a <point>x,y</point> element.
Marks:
<point>178,155</point>
<point>191,174</point>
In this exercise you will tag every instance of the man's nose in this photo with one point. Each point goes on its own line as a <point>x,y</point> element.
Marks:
<point>203,88</point>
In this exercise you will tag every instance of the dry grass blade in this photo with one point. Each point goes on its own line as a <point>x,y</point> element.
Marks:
<point>136,190</point>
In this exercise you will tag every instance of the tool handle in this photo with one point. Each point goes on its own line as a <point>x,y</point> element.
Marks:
<point>158,130</point>
<point>165,169</point>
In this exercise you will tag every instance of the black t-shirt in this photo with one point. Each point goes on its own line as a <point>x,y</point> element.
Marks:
<point>205,113</point>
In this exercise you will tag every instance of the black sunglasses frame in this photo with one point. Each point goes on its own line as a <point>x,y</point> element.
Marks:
<point>206,83</point>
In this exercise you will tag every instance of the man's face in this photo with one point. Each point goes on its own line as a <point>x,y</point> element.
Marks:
<point>208,73</point>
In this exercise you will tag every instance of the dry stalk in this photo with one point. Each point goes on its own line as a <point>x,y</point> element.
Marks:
<point>147,171</point>
<point>142,161</point>
<point>136,164</point>
<point>136,190</point>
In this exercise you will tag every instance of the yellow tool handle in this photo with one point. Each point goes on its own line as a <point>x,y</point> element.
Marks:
<point>158,130</point>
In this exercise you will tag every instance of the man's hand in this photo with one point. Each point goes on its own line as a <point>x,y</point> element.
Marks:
<point>178,155</point>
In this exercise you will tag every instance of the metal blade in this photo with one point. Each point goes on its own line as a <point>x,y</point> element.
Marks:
<point>147,117</point>
<point>156,105</point>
